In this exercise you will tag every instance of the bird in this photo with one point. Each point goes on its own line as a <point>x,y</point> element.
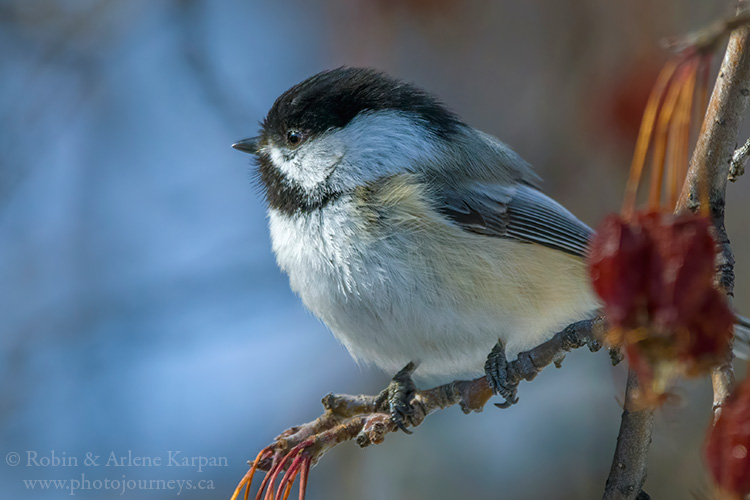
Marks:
<point>421,242</point>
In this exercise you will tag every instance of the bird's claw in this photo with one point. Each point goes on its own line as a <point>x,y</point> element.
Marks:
<point>399,395</point>
<point>496,370</point>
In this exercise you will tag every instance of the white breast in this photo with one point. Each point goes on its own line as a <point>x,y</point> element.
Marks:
<point>440,300</point>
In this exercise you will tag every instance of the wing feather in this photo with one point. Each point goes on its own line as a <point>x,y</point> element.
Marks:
<point>520,212</point>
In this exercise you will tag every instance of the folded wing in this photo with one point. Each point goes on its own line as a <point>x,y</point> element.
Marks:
<point>519,212</point>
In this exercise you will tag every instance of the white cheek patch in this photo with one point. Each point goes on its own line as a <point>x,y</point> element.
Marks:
<point>311,164</point>
<point>285,163</point>
<point>371,146</point>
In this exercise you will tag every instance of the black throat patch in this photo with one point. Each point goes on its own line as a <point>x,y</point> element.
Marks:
<point>286,195</point>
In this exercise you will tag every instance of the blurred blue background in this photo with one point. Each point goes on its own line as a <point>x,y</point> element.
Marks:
<point>141,309</point>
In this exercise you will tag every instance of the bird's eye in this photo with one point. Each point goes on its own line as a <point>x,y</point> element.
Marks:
<point>293,138</point>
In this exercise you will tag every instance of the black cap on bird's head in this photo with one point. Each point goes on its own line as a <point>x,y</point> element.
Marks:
<point>326,103</point>
<point>331,99</point>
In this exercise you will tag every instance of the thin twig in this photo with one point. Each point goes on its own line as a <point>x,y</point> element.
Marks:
<point>739,159</point>
<point>707,39</point>
<point>367,420</point>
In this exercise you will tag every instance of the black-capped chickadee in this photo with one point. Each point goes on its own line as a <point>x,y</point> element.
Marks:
<point>413,236</point>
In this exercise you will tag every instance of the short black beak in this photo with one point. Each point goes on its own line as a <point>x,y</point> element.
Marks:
<point>247,145</point>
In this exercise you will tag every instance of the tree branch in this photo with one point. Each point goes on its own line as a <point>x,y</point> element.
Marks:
<point>709,171</point>
<point>707,177</point>
<point>367,419</point>
<point>628,471</point>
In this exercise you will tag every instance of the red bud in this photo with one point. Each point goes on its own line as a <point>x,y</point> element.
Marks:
<point>727,449</point>
<point>655,276</point>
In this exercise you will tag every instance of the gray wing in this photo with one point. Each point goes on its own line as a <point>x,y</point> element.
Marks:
<point>520,212</point>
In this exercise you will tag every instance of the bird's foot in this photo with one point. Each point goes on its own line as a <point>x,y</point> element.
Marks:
<point>397,399</point>
<point>496,369</point>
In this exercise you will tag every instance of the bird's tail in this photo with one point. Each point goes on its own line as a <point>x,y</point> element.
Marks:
<point>742,337</point>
